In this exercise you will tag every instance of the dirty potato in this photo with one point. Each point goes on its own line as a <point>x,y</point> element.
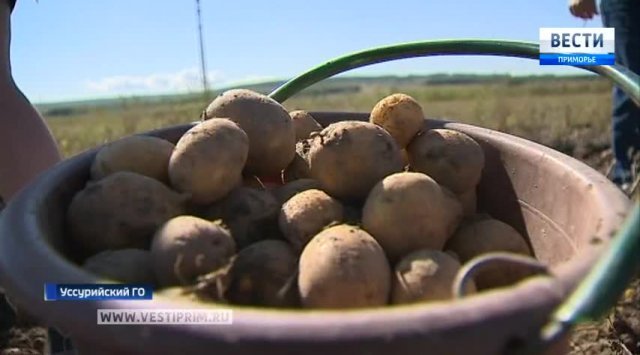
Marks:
<point>250,214</point>
<point>425,275</point>
<point>287,191</point>
<point>304,124</point>
<point>186,247</point>
<point>409,211</point>
<point>484,235</point>
<point>263,274</point>
<point>208,160</point>
<point>306,214</point>
<point>144,155</point>
<point>271,132</point>
<point>123,265</point>
<point>451,158</point>
<point>401,115</point>
<point>348,158</point>
<point>122,210</point>
<point>343,267</point>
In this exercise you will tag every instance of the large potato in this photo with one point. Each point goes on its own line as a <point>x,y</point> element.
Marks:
<point>250,214</point>
<point>304,124</point>
<point>401,115</point>
<point>186,247</point>
<point>122,210</point>
<point>343,267</point>
<point>306,214</point>
<point>409,211</point>
<point>208,160</point>
<point>263,274</point>
<point>287,191</point>
<point>425,275</point>
<point>272,137</point>
<point>348,158</point>
<point>484,235</point>
<point>123,265</point>
<point>451,158</point>
<point>144,155</point>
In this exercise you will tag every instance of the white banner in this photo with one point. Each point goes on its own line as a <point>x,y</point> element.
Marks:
<point>577,40</point>
<point>164,316</point>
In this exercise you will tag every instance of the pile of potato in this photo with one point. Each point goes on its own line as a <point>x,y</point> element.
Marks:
<point>258,206</point>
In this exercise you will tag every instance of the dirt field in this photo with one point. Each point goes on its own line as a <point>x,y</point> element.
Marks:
<point>570,116</point>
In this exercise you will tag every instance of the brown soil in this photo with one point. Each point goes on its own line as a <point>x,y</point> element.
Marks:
<point>619,333</point>
<point>19,336</point>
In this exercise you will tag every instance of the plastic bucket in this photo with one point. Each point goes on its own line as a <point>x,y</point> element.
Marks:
<point>567,211</point>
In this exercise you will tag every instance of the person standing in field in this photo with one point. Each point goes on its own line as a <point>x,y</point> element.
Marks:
<point>27,147</point>
<point>624,16</point>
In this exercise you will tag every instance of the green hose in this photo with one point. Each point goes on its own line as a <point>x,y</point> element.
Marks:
<point>604,284</point>
<point>625,79</point>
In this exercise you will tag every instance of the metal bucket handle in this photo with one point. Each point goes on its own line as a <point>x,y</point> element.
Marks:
<point>604,284</point>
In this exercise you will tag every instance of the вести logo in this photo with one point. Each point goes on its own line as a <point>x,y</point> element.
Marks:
<point>577,46</point>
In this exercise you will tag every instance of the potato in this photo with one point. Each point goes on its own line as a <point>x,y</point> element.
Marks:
<point>425,275</point>
<point>401,115</point>
<point>304,124</point>
<point>186,247</point>
<point>343,267</point>
<point>451,158</point>
<point>144,155</point>
<point>299,166</point>
<point>122,210</point>
<point>124,265</point>
<point>272,136</point>
<point>348,158</point>
<point>263,274</point>
<point>285,192</point>
<point>486,235</point>
<point>469,202</point>
<point>306,214</point>
<point>208,160</point>
<point>250,214</point>
<point>409,211</point>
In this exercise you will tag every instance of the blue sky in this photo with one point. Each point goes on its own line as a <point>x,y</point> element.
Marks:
<point>75,49</point>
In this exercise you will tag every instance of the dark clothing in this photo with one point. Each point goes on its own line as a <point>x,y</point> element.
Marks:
<point>624,16</point>
<point>12,4</point>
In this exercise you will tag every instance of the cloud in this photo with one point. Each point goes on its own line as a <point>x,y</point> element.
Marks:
<point>250,79</point>
<point>181,81</point>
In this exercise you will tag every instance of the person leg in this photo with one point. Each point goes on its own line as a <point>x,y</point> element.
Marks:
<point>27,147</point>
<point>624,16</point>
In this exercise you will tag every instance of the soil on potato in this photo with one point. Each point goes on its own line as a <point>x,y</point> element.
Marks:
<point>617,334</point>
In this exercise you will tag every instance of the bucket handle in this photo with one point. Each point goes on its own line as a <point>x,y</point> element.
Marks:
<point>476,265</point>
<point>628,81</point>
<point>606,281</point>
